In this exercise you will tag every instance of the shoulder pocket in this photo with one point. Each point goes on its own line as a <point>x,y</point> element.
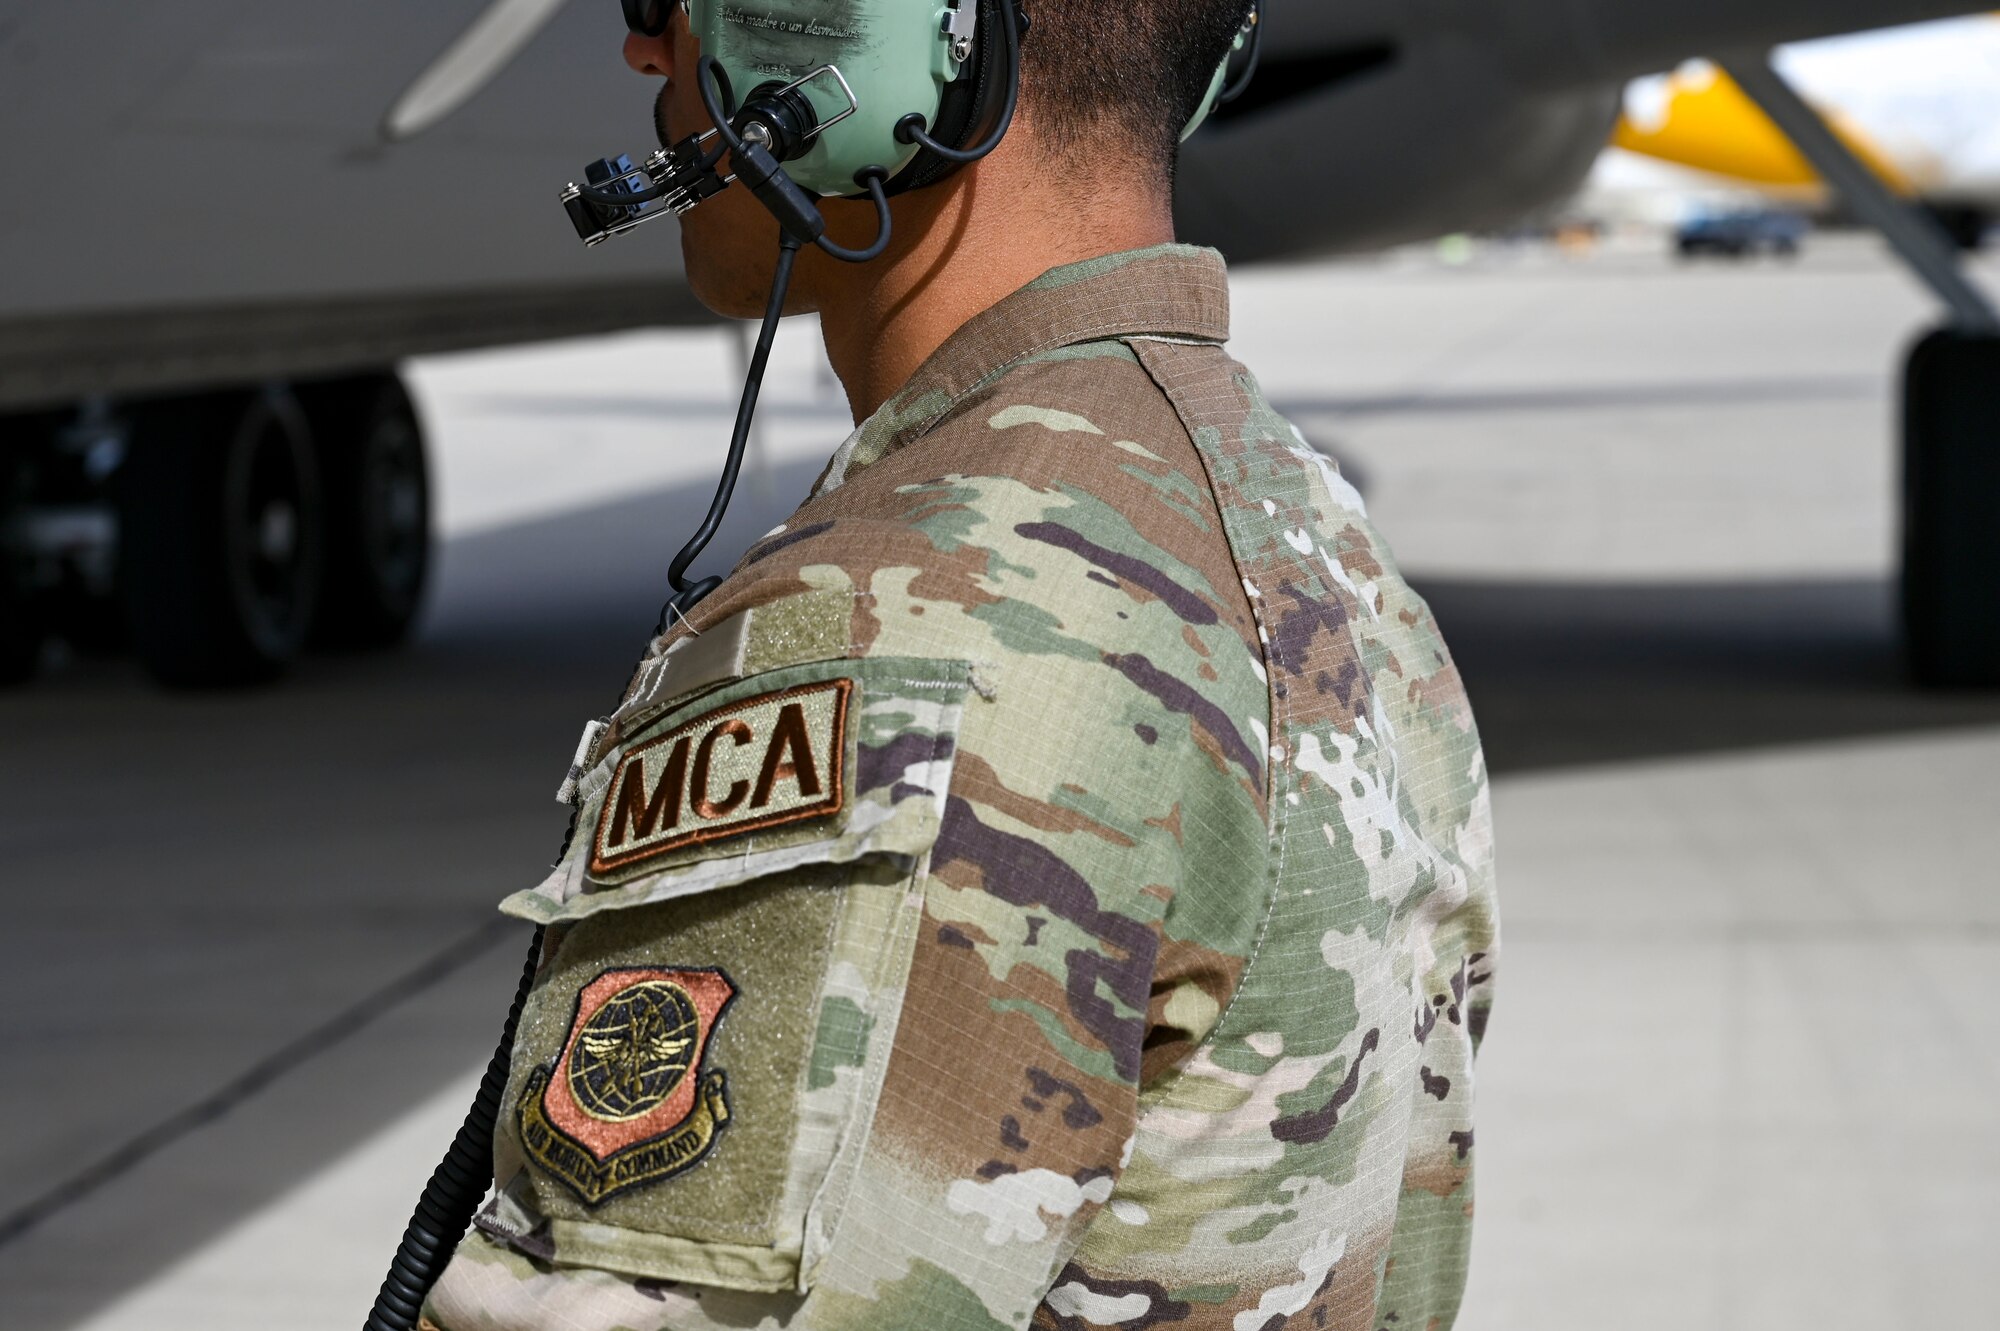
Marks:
<point>816,764</point>
<point>695,1073</point>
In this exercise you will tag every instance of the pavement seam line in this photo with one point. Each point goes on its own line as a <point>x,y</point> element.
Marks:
<point>236,1092</point>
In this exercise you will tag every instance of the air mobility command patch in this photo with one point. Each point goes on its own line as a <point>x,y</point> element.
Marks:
<point>627,1102</point>
<point>761,762</point>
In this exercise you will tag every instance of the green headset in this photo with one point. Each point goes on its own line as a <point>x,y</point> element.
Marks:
<point>912,89</point>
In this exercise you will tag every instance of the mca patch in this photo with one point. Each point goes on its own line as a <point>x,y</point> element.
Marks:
<point>762,762</point>
<point>627,1103</point>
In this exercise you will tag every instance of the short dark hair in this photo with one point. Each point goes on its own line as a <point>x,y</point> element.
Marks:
<point>1133,72</point>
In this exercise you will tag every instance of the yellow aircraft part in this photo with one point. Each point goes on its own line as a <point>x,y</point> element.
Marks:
<point>1710,124</point>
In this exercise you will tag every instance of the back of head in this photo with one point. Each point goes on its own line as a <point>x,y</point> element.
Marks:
<point>1123,78</point>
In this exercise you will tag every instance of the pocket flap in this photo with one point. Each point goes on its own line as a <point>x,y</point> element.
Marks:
<point>826,763</point>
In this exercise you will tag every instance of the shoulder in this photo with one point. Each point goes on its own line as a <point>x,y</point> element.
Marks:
<point>1066,495</point>
<point>1057,533</point>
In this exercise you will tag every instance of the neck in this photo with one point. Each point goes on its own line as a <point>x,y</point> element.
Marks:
<point>962,247</point>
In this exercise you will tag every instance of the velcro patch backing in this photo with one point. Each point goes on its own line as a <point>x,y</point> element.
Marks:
<point>760,762</point>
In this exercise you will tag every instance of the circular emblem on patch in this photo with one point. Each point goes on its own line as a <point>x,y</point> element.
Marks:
<point>628,1102</point>
<point>633,1052</point>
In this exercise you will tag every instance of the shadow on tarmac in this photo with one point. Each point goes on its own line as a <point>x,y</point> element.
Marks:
<point>1564,675</point>
<point>204,883</point>
<point>1782,390</point>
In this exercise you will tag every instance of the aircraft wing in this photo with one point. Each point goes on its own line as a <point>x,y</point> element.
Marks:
<point>1374,122</point>
<point>204,193</point>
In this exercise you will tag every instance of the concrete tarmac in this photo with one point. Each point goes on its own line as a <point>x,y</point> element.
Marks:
<point>1738,1072</point>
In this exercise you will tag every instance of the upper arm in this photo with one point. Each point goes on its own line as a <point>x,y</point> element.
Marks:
<point>921,991</point>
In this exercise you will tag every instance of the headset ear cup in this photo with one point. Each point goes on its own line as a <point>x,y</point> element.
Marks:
<point>969,106</point>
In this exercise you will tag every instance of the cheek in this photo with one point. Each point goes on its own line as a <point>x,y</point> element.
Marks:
<point>729,246</point>
<point>684,94</point>
<point>683,106</point>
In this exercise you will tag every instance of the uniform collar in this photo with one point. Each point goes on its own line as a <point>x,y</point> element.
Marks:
<point>1173,291</point>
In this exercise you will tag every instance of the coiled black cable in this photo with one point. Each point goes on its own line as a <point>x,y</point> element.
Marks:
<point>460,1181</point>
<point>456,1187</point>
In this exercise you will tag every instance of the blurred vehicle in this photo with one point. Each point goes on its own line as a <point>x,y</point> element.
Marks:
<point>1738,235</point>
<point>206,450</point>
<point>1920,105</point>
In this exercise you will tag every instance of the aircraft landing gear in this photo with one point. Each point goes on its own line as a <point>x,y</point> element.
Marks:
<point>1951,508</point>
<point>21,627</point>
<point>216,534</point>
<point>221,536</point>
<point>1951,411</point>
<point>1966,226</point>
<point>21,612</point>
<point>376,485</point>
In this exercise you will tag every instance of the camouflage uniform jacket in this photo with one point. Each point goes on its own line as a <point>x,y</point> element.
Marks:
<point>1049,885</point>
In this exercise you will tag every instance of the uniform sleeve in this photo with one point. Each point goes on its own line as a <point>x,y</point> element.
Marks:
<point>854,966</point>
<point>1454,946</point>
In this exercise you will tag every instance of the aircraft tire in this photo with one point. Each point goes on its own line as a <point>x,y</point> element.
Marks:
<point>21,619</point>
<point>370,445</point>
<point>220,536</point>
<point>1965,226</point>
<point>20,634</point>
<point>1951,509</point>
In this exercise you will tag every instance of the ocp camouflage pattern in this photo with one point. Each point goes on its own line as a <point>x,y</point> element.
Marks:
<point>1139,984</point>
